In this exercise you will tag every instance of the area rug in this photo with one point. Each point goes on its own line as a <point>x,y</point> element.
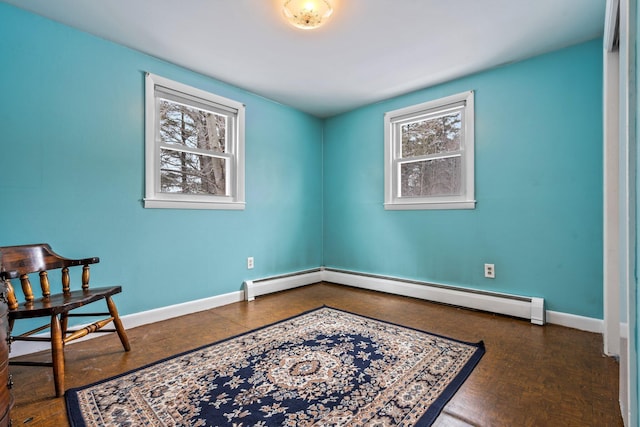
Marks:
<point>325,367</point>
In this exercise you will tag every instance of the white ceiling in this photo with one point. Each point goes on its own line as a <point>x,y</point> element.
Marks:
<point>368,51</point>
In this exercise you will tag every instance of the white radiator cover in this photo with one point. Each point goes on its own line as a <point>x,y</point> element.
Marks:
<point>531,308</point>
<point>254,288</point>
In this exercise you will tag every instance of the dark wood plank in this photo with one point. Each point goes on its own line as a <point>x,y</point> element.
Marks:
<point>529,376</point>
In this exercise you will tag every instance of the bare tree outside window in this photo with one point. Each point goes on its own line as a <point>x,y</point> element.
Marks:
<point>440,177</point>
<point>439,140</point>
<point>190,138</point>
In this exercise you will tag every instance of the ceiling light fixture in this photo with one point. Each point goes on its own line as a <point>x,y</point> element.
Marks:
<point>307,14</point>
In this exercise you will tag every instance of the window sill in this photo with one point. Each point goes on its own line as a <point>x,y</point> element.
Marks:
<point>406,206</point>
<point>184,204</point>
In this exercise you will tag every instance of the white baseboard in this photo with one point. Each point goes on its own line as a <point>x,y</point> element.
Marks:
<point>19,348</point>
<point>583,323</point>
<point>189,307</point>
<point>524,307</point>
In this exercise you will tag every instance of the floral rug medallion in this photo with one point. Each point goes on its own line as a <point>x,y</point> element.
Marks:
<point>326,367</point>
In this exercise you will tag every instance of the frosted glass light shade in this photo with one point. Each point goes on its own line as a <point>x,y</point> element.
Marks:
<point>307,14</point>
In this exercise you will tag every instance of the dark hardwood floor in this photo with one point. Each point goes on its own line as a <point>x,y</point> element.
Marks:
<point>530,375</point>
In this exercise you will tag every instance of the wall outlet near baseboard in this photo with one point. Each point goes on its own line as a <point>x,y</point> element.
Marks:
<point>490,271</point>
<point>249,263</point>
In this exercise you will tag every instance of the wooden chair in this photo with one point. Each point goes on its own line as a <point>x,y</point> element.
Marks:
<point>18,262</point>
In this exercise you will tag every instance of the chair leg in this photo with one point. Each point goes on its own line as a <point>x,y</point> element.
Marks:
<point>118,324</point>
<point>57,355</point>
<point>64,323</point>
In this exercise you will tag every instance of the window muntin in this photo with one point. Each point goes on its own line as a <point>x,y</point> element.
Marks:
<point>194,148</point>
<point>429,155</point>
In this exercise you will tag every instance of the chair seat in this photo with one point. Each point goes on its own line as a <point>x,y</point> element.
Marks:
<point>60,303</point>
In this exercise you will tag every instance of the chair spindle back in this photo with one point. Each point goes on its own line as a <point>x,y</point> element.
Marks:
<point>24,260</point>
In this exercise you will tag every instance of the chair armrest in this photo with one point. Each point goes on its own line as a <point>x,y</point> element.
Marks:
<point>5,275</point>
<point>84,261</point>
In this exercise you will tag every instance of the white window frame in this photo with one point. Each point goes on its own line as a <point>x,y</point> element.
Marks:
<point>393,120</point>
<point>154,198</point>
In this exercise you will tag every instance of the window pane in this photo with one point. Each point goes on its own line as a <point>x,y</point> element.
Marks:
<point>188,173</point>
<point>192,127</point>
<point>438,177</point>
<point>432,136</point>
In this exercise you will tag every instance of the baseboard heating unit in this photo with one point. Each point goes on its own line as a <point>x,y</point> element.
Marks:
<point>254,288</point>
<point>530,308</point>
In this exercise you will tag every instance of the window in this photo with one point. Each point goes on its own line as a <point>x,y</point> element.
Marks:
<point>429,155</point>
<point>194,147</point>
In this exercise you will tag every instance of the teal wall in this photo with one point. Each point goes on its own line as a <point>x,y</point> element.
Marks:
<point>634,295</point>
<point>72,141</point>
<point>72,118</point>
<point>538,171</point>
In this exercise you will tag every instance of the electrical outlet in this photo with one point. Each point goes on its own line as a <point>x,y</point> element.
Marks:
<point>249,263</point>
<point>490,271</point>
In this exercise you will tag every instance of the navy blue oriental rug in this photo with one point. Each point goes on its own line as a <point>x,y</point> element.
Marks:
<point>326,367</point>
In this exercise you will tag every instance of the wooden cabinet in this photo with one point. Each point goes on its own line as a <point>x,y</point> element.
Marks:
<point>6,398</point>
